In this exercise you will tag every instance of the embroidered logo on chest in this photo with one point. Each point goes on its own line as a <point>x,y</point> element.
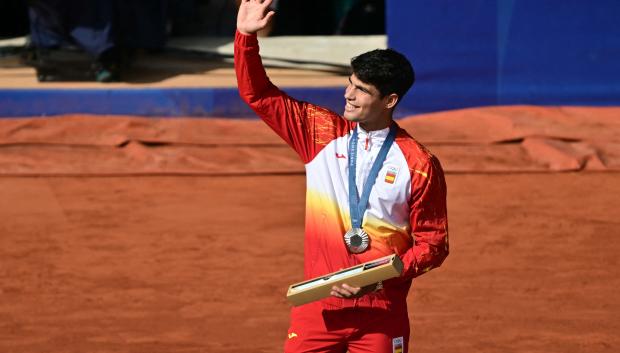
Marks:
<point>391,174</point>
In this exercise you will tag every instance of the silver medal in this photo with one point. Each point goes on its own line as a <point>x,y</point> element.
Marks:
<point>357,240</point>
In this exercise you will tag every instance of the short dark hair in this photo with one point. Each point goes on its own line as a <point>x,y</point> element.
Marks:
<point>386,69</point>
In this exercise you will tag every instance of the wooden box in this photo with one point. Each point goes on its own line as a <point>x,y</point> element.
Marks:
<point>358,276</point>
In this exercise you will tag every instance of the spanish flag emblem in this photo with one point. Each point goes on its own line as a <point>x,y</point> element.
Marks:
<point>390,175</point>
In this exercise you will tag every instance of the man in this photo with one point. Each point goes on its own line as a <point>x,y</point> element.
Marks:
<point>405,192</point>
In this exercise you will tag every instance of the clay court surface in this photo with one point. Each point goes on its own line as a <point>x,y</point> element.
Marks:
<point>123,234</point>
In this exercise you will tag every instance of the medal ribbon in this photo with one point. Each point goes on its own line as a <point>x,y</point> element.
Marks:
<point>357,206</point>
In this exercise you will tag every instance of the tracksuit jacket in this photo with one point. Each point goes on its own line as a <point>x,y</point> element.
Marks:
<point>406,213</point>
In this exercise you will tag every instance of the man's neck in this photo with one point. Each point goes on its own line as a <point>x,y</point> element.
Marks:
<point>376,125</point>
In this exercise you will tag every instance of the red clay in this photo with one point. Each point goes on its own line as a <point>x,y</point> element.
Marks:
<point>146,260</point>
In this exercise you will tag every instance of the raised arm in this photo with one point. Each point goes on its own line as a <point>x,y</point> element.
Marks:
<point>303,126</point>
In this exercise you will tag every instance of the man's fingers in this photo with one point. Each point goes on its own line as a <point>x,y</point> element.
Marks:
<point>351,289</point>
<point>344,291</point>
<point>334,293</point>
<point>340,292</point>
<point>267,18</point>
<point>265,5</point>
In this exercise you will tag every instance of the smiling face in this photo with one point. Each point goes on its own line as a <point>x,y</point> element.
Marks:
<point>364,105</point>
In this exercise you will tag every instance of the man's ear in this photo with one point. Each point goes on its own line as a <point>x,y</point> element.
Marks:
<point>391,100</point>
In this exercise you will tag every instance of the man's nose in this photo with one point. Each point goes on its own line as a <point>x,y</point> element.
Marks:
<point>348,92</point>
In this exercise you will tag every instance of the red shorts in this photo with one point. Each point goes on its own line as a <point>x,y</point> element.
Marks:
<point>357,330</point>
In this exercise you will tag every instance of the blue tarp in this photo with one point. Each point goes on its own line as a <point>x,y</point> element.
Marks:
<point>488,52</point>
<point>189,102</point>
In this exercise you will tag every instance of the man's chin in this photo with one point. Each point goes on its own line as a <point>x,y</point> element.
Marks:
<point>350,117</point>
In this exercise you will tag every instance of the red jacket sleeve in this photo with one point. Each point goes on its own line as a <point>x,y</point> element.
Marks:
<point>305,127</point>
<point>428,219</point>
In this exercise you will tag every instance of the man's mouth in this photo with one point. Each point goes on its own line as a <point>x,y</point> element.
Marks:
<point>349,107</point>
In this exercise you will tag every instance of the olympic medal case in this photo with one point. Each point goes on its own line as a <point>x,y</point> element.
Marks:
<point>358,276</point>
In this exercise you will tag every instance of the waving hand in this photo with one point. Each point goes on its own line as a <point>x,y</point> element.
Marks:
<point>253,15</point>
